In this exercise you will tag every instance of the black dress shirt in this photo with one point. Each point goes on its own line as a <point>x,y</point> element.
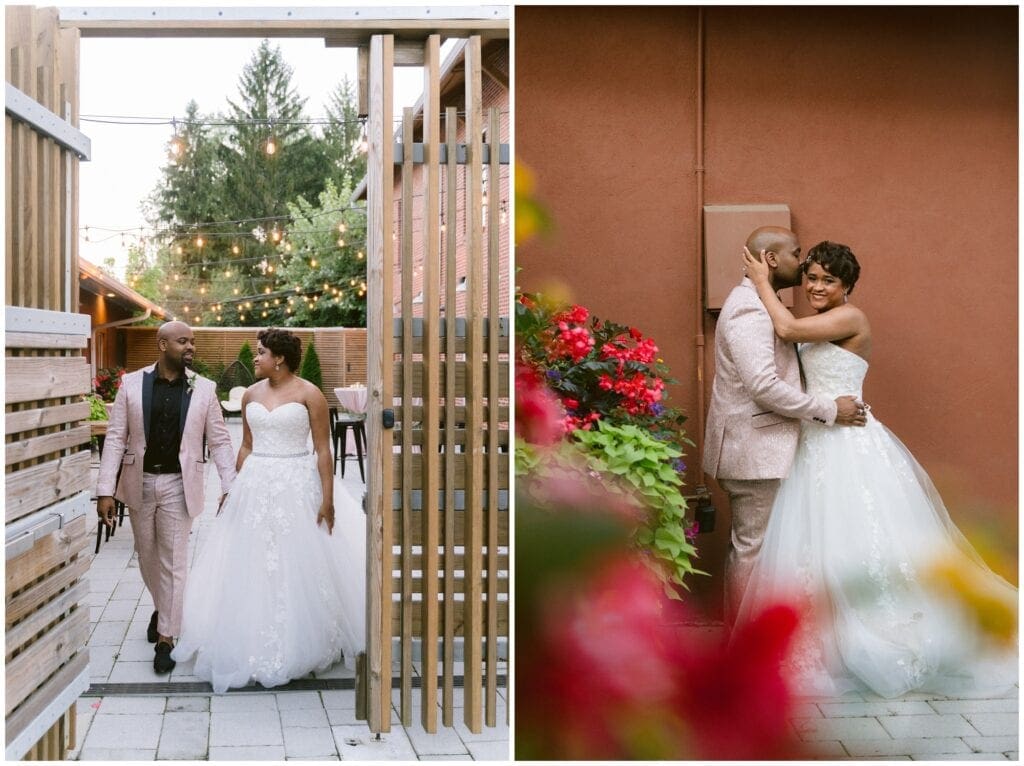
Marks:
<point>164,438</point>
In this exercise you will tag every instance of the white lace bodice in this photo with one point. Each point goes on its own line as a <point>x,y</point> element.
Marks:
<point>281,431</point>
<point>831,371</point>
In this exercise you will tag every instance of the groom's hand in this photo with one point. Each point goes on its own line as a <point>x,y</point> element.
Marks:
<point>850,412</point>
<point>105,510</point>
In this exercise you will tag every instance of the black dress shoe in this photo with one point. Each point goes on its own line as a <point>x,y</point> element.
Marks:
<point>162,662</point>
<point>151,633</point>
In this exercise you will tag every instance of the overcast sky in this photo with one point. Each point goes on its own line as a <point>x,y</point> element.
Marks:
<point>157,78</point>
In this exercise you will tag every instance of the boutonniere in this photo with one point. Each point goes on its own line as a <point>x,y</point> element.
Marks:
<point>190,382</point>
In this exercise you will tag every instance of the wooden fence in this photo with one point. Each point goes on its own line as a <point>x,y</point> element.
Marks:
<point>342,350</point>
<point>47,507</point>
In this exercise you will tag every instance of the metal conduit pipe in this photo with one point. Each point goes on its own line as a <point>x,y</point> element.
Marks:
<point>704,512</point>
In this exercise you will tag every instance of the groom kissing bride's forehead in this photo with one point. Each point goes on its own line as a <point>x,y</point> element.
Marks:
<point>843,520</point>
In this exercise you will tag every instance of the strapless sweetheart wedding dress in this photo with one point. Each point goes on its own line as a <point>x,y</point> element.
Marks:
<point>271,596</point>
<point>853,531</point>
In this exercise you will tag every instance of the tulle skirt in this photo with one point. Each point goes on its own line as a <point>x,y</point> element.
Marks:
<point>853,538</point>
<point>271,596</point>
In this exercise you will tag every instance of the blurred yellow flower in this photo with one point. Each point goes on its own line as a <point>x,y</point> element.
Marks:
<point>994,611</point>
<point>531,217</point>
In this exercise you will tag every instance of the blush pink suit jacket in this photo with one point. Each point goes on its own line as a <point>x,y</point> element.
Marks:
<point>125,444</point>
<point>757,398</point>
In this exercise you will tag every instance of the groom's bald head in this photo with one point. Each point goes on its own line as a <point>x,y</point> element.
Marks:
<point>770,238</point>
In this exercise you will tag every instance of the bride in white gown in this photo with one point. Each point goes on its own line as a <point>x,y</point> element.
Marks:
<point>856,525</point>
<point>277,591</point>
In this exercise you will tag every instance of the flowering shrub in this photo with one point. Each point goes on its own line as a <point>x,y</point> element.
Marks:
<point>601,384</point>
<point>598,369</point>
<point>107,382</point>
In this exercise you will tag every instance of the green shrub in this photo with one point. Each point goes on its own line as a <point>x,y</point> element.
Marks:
<point>310,367</point>
<point>245,356</point>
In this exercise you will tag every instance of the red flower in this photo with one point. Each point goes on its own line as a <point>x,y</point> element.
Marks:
<point>538,413</point>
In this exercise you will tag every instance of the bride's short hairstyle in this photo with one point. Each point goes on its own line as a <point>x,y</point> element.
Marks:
<point>838,260</point>
<point>282,343</point>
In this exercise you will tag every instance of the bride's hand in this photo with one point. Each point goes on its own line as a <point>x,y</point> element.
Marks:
<point>326,514</point>
<point>756,267</point>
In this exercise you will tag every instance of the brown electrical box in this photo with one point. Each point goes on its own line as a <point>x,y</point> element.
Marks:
<point>726,228</point>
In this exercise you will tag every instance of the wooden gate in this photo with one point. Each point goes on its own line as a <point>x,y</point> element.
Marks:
<point>438,413</point>
<point>46,446</point>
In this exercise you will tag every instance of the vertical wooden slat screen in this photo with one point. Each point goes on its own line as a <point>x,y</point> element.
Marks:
<point>475,391</point>
<point>431,357</point>
<point>451,266</point>
<point>380,361</point>
<point>493,396</point>
<point>406,383</point>
<point>443,555</point>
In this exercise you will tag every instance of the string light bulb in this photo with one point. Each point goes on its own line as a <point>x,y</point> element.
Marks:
<point>341,228</point>
<point>271,147</point>
<point>235,249</point>
<point>200,242</point>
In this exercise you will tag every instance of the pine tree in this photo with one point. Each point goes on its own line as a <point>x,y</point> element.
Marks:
<point>246,358</point>
<point>343,135</point>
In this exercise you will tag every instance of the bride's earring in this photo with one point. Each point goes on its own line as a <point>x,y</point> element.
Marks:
<point>277,366</point>
<point>846,296</point>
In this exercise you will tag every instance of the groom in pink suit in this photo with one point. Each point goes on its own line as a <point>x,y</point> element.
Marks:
<point>162,415</point>
<point>757,402</point>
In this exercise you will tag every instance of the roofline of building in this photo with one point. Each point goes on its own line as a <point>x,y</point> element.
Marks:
<point>120,290</point>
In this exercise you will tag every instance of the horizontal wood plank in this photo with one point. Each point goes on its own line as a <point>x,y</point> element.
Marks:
<point>458,609</point>
<point>32,378</point>
<point>418,436</point>
<point>46,340</point>
<point>419,375</point>
<point>43,417</point>
<point>461,461</point>
<point>25,630</point>
<point>36,446</point>
<point>41,698</point>
<point>41,485</point>
<point>48,553</point>
<point>27,671</point>
<point>29,599</point>
<point>460,527</point>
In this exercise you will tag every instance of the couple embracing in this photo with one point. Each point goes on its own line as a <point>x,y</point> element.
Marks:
<point>276,591</point>
<point>830,512</point>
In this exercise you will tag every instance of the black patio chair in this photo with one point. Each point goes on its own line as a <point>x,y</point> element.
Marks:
<point>235,375</point>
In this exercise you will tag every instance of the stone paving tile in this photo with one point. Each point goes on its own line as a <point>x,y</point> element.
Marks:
<point>135,672</point>
<point>131,732</point>
<point>272,753</point>
<point>301,700</point>
<point>304,718</point>
<point>936,725</point>
<point>313,758</point>
<point>1004,705</point>
<point>356,743</point>
<point>133,705</point>
<point>873,758</point>
<point>489,751</point>
<point>127,590</point>
<point>306,743</point>
<point>338,698</point>
<point>195,704</point>
<point>466,757</point>
<point>185,736</point>
<point>108,633</point>
<point>905,746</point>
<point>805,710</point>
<point>871,709</point>
<point>963,757</point>
<point>444,742</point>
<point>810,729</point>
<point>825,748</point>
<point>248,729</point>
<point>136,650</point>
<point>243,703</point>
<point>991,744</point>
<point>115,754</point>
<point>994,724</point>
<point>342,717</point>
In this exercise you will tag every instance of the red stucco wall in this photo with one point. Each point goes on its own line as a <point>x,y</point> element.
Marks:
<point>891,130</point>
